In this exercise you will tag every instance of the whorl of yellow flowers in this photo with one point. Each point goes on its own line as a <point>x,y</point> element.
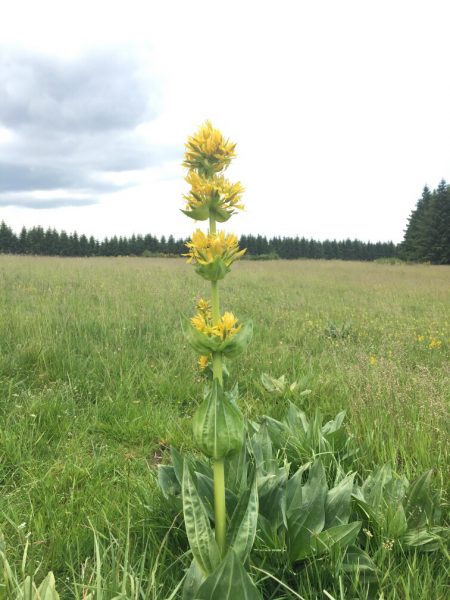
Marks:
<point>208,152</point>
<point>225,328</point>
<point>217,191</point>
<point>204,248</point>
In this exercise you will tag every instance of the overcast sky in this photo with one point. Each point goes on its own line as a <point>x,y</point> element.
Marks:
<point>340,111</point>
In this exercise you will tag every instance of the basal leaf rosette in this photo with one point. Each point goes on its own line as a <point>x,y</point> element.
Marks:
<point>207,151</point>
<point>225,336</point>
<point>212,197</point>
<point>218,424</point>
<point>213,253</point>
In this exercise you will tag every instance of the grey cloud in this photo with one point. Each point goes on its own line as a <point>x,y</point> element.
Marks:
<point>74,121</point>
<point>41,203</point>
<point>103,92</point>
<point>25,178</point>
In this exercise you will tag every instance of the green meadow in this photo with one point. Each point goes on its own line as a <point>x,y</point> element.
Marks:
<point>96,382</point>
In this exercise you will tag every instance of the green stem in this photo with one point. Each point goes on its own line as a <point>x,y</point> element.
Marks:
<point>220,511</point>
<point>212,225</point>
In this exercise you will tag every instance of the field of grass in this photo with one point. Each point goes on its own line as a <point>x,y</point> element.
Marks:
<point>96,381</point>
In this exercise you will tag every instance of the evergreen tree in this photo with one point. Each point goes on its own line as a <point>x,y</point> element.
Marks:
<point>415,245</point>
<point>439,226</point>
<point>8,241</point>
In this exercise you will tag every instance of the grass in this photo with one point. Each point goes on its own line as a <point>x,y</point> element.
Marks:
<point>96,381</point>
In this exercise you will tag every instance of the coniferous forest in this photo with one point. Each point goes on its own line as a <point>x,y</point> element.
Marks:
<point>427,236</point>
<point>427,239</point>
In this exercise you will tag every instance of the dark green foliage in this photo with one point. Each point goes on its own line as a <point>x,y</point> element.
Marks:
<point>36,241</point>
<point>427,236</point>
<point>292,486</point>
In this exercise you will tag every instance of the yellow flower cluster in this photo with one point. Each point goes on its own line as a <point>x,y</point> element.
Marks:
<point>225,328</point>
<point>207,151</point>
<point>434,343</point>
<point>217,192</point>
<point>204,248</point>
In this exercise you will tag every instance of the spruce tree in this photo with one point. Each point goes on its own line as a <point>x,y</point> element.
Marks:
<point>416,242</point>
<point>439,226</point>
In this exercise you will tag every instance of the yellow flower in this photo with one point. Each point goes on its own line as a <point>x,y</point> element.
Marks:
<point>203,362</point>
<point>434,343</point>
<point>204,248</point>
<point>225,328</point>
<point>373,360</point>
<point>200,322</point>
<point>207,151</point>
<point>204,306</point>
<point>215,192</point>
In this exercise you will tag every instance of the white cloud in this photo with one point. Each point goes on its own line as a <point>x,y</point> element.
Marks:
<point>339,109</point>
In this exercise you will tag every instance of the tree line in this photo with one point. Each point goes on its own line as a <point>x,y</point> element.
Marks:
<point>37,241</point>
<point>427,235</point>
<point>427,239</point>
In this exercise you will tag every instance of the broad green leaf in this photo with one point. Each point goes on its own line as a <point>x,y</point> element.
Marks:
<point>233,394</point>
<point>296,420</point>
<point>272,385</point>
<point>419,505</point>
<point>234,346</point>
<point>316,481</point>
<point>218,425</point>
<point>236,470</point>
<point>366,511</point>
<point>340,536</point>
<point>204,344</point>
<point>427,540</point>
<point>198,529</point>
<point>198,214</point>
<point>229,582</point>
<point>337,439</point>
<point>279,432</point>
<point>395,490</point>
<point>294,490</point>
<point>213,271</point>
<point>168,482</point>
<point>242,529</point>
<point>261,445</point>
<point>193,580</point>
<point>178,464</point>
<point>200,342</point>
<point>395,523</point>
<point>335,424</point>
<point>358,561</point>
<point>221,214</point>
<point>28,591</point>
<point>309,518</point>
<point>373,487</point>
<point>272,506</point>
<point>338,503</point>
<point>47,589</point>
<point>201,465</point>
<point>303,523</point>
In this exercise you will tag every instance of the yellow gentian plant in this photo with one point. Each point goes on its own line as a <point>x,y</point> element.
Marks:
<point>218,424</point>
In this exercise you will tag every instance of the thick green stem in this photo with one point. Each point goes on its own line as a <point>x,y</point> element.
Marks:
<point>215,304</point>
<point>220,511</point>
<point>212,225</point>
<point>217,367</point>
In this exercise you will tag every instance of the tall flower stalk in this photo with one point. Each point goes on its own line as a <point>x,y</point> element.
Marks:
<point>218,425</point>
